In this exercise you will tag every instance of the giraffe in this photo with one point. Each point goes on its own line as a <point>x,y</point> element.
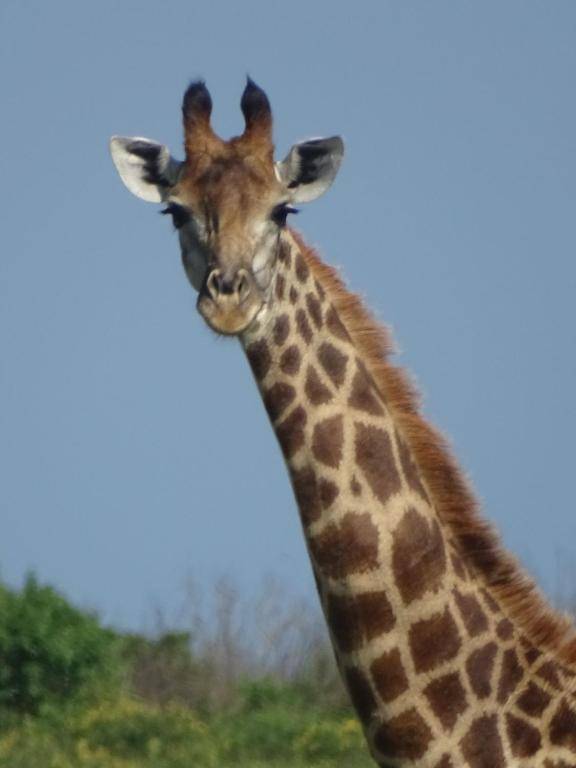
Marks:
<point>450,655</point>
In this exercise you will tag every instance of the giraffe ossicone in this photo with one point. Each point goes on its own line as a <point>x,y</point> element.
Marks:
<point>450,655</point>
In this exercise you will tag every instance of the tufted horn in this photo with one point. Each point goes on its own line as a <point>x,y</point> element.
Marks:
<point>257,114</point>
<point>196,111</point>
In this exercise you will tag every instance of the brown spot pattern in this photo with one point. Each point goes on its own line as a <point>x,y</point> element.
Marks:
<point>278,398</point>
<point>259,358</point>
<point>405,736</point>
<point>306,491</point>
<point>490,602</point>
<point>302,271</point>
<point>563,727</point>
<point>532,654</point>
<point>524,739</point>
<point>363,396</point>
<point>303,326</point>
<point>363,698</point>
<point>472,614</point>
<point>375,458</point>
<point>355,486</point>
<point>328,492</point>
<point>281,330</point>
<point>549,672</point>
<point>284,254</point>
<point>458,566</point>
<point>511,675</point>
<point>290,432</point>
<point>480,666</point>
<point>293,295</point>
<point>389,675</point>
<point>445,762</point>
<point>280,287</point>
<point>333,362</point>
<point>327,441</point>
<point>314,309</point>
<point>335,325</point>
<point>320,291</point>
<point>533,700</point>
<point>418,556</point>
<point>505,629</point>
<point>355,620</point>
<point>447,698</point>
<point>350,546</point>
<point>433,641</point>
<point>290,361</point>
<point>482,746</point>
<point>410,469</point>
<point>317,392</point>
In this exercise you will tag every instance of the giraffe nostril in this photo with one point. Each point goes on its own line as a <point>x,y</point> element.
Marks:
<point>213,284</point>
<point>242,286</point>
<point>238,285</point>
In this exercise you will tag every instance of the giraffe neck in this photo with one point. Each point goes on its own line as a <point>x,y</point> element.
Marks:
<point>438,671</point>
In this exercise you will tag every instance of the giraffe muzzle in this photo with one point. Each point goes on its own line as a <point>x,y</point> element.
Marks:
<point>229,301</point>
<point>237,286</point>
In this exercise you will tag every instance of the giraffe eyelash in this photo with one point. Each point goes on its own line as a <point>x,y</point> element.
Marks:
<point>180,216</point>
<point>280,213</point>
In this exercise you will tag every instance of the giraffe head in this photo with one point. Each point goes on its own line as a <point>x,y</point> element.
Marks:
<point>228,200</point>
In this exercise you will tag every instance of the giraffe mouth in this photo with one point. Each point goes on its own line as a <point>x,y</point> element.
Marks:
<point>226,318</point>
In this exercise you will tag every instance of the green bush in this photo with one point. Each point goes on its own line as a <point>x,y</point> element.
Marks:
<point>50,652</point>
<point>277,724</point>
<point>130,729</point>
<point>34,744</point>
<point>124,733</point>
<point>265,693</point>
<point>339,742</point>
<point>75,695</point>
<point>266,735</point>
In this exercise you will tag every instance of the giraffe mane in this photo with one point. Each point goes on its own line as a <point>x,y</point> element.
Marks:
<point>449,489</point>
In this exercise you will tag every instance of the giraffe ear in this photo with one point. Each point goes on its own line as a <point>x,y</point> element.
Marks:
<point>145,167</point>
<point>310,167</point>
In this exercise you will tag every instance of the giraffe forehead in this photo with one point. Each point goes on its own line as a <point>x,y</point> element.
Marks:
<point>229,183</point>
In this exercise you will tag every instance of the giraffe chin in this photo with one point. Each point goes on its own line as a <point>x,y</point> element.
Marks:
<point>228,320</point>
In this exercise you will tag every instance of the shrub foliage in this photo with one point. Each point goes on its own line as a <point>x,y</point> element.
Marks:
<point>50,652</point>
<point>74,694</point>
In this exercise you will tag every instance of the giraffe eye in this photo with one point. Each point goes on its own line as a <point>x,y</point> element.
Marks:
<point>280,213</point>
<point>180,215</point>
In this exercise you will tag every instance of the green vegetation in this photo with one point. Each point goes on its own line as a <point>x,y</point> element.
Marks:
<point>124,733</point>
<point>74,694</point>
<point>50,653</point>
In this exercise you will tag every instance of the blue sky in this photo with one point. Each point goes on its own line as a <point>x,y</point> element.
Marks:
<point>134,450</point>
